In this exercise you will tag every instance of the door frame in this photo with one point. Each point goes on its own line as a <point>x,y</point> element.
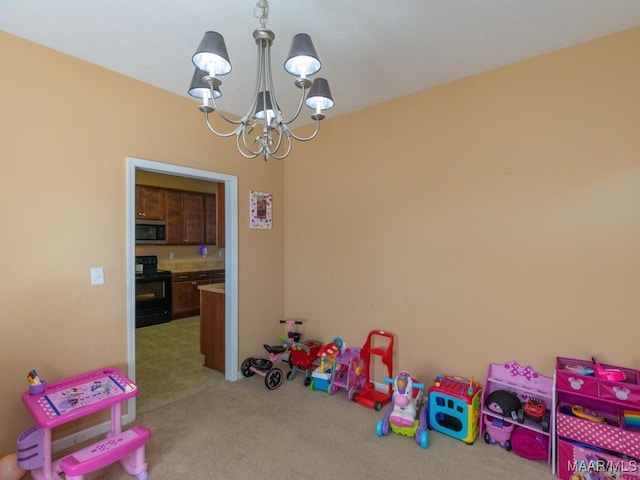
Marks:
<point>231,260</point>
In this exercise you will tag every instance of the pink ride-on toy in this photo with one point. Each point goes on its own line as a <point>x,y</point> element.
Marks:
<point>264,366</point>
<point>407,414</point>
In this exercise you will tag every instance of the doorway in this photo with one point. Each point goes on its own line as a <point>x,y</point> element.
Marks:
<point>231,259</point>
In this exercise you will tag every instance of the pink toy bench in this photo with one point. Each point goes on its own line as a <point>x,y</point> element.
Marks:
<point>126,447</point>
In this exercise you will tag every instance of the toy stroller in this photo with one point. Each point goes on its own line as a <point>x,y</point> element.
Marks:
<point>347,373</point>
<point>302,356</point>
<point>407,414</point>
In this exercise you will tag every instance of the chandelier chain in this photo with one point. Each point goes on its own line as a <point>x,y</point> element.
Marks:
<point>261,11</point>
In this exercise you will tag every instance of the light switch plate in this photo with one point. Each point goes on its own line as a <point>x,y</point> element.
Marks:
<point>97,276</point>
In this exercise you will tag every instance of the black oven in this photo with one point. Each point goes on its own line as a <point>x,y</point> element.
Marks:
<point>153,292</point>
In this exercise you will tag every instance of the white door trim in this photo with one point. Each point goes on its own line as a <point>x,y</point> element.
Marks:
<point>231,260</point>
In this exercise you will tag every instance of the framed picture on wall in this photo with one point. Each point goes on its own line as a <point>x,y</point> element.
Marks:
<point>260,210</point>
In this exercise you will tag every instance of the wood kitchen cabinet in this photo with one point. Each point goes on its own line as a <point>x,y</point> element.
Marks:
<point>214,217</point>
<point>185,217</point>
<point>218,276</point>
<point>185,295</point>
<point>212,328</point>
<point>150,202</point>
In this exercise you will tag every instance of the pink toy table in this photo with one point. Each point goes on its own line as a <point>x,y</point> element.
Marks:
<point>73,398</point>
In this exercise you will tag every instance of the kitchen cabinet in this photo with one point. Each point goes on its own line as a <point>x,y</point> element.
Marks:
<point>150,203</point>
<point>185,217</point>
<point>214,217</point>
<point>212,326</point>
<point>217,276</point>
<point>185,295</point>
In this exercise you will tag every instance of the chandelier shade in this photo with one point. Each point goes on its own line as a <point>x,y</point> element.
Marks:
<point>319,96</point>
<point>273,135</point>
<point>200,89</point>
<point>264,103</point>
<point>302,59</point>
<point>211,55</point>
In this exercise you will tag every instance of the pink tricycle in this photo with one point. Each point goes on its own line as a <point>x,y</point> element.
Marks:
<point>265,366</point>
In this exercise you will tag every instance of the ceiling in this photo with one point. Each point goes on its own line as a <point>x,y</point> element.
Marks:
<point>371,51</point>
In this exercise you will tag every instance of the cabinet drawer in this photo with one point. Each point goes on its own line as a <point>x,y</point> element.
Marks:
<point>578,461</point>
<point>218,276</point>
<point>192,276</point>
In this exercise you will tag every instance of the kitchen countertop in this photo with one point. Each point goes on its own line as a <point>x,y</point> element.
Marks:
<point>213,288</point>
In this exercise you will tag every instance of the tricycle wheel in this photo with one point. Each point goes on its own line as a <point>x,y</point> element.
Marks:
<point>307,381</point>
<point>245,368</point>
<point>273,379</point>
<point>378,406</point>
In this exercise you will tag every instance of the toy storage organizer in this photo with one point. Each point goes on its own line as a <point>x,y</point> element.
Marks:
<point>591,449</point>
<point>526,384</point>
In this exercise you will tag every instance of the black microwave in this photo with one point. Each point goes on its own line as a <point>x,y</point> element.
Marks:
<point>151,232</point>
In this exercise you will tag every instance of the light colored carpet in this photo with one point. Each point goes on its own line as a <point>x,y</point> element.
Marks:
<point>243,431</point>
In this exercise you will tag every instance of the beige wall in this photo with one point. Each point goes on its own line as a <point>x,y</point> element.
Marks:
<point>492,219</point>
<point>66,129</point>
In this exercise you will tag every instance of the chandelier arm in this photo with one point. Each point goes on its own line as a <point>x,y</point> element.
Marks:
<point>279,130</point>
<point>300,105</point>
<point>306,139</point>
<point>245,146</point>
<point>214,131</point>
<point>259,79</point>
<point>224,117</point>
<point>285,154</point>
<point>241,150</point>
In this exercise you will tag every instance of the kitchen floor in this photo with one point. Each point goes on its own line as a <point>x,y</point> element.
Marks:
<point>169,365</point>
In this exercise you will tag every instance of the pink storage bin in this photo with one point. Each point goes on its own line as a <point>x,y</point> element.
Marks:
<point>576,461</point>
<point>627,391</point>
<point>599,435</point>
<point>569,378</point>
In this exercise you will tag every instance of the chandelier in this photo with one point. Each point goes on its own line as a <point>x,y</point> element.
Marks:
<point>273,135</point>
